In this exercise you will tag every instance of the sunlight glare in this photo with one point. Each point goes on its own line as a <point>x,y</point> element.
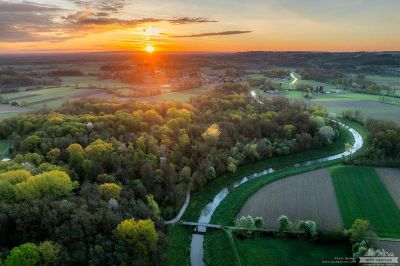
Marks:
<point>149,49</point>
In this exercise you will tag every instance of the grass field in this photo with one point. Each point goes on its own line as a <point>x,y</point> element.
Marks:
<point>3,148</point>
<point>368,109</point>
<point>260,251</point>
<point>384,80</point>
<point>35,99</point>
<point>173,251</point>
<point>184,96</point>
<point>369,105</point>
<point>361,194</point>
<point>86,81</point>
<point>271,251</point>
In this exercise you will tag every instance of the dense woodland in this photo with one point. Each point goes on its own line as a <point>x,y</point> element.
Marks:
<point>383,141</point>
<point>92,182</point>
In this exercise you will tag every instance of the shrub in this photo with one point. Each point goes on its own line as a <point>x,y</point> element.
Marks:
<point>110,190</point>
<point>309,228</point>
<point>284,224</point>
<point>359,230</point>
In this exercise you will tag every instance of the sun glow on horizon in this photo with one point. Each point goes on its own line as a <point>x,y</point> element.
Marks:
<point>149,48</point>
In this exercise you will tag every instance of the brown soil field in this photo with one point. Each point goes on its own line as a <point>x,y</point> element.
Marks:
<point>391,178</point>
<point>88,93</point>
<point>301,197</point>
<point>390,246</point>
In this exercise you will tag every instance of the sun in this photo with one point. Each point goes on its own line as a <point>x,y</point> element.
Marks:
<point>149,49</point>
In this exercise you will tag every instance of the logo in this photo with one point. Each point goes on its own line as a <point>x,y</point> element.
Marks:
<point>379,260</point>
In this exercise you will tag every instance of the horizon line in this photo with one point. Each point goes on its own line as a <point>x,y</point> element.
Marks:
<point>190,52</point>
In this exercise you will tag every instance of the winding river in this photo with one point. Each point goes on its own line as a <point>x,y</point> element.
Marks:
<point>196,246</point>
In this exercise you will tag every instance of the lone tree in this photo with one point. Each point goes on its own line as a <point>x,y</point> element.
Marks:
<point>284,224</point>
<point>309,228</point>
<point>360,230</point>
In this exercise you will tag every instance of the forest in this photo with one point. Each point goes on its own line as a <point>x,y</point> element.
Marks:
<point>93,182</point>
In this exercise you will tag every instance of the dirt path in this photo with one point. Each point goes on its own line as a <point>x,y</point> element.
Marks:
<point>306,196</point>
<point>391,178</point>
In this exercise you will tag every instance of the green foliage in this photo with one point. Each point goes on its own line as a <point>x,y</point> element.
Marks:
<point>359,249</point>
<point>53,155</point>
<point>383,144</point>
<point>139,235</point>
<point>309,228</point>
<point>24,255</point>
<point>359,230</point>
<point>30,143</point>
<point>284,224</point>
<point>54,183</point>
<point>259,222</point>
<point>33,158</point>
<point>110,190</point>
<point>50,253</point>
<point>246,222</point>
<point>154,206</point>
<point>327,133</point>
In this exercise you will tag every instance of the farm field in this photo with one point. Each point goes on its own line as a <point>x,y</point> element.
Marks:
<point>87,81</point>
<point>385,80</point>
<point>35,99</point>
<point>259,251</point>
<point>368,109</point>
<point>361,194</point>
<point>301,197</point>
<point>270,251</point>
<point>7,110</point>
<point>54,97</point>
<point>367,104</point>
<point>391,178</point>
<point>175,96</point>
<point>392,246</point>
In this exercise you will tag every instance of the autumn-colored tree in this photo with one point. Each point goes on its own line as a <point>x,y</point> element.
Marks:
<point>152,117</point>
<point>76,154</point>
<point>139,235</point>
<point>110,190</point>
<point>56,183</point>
<point>212,134</point>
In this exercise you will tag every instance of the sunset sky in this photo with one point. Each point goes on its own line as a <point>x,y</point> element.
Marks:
<point>193,25</point>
